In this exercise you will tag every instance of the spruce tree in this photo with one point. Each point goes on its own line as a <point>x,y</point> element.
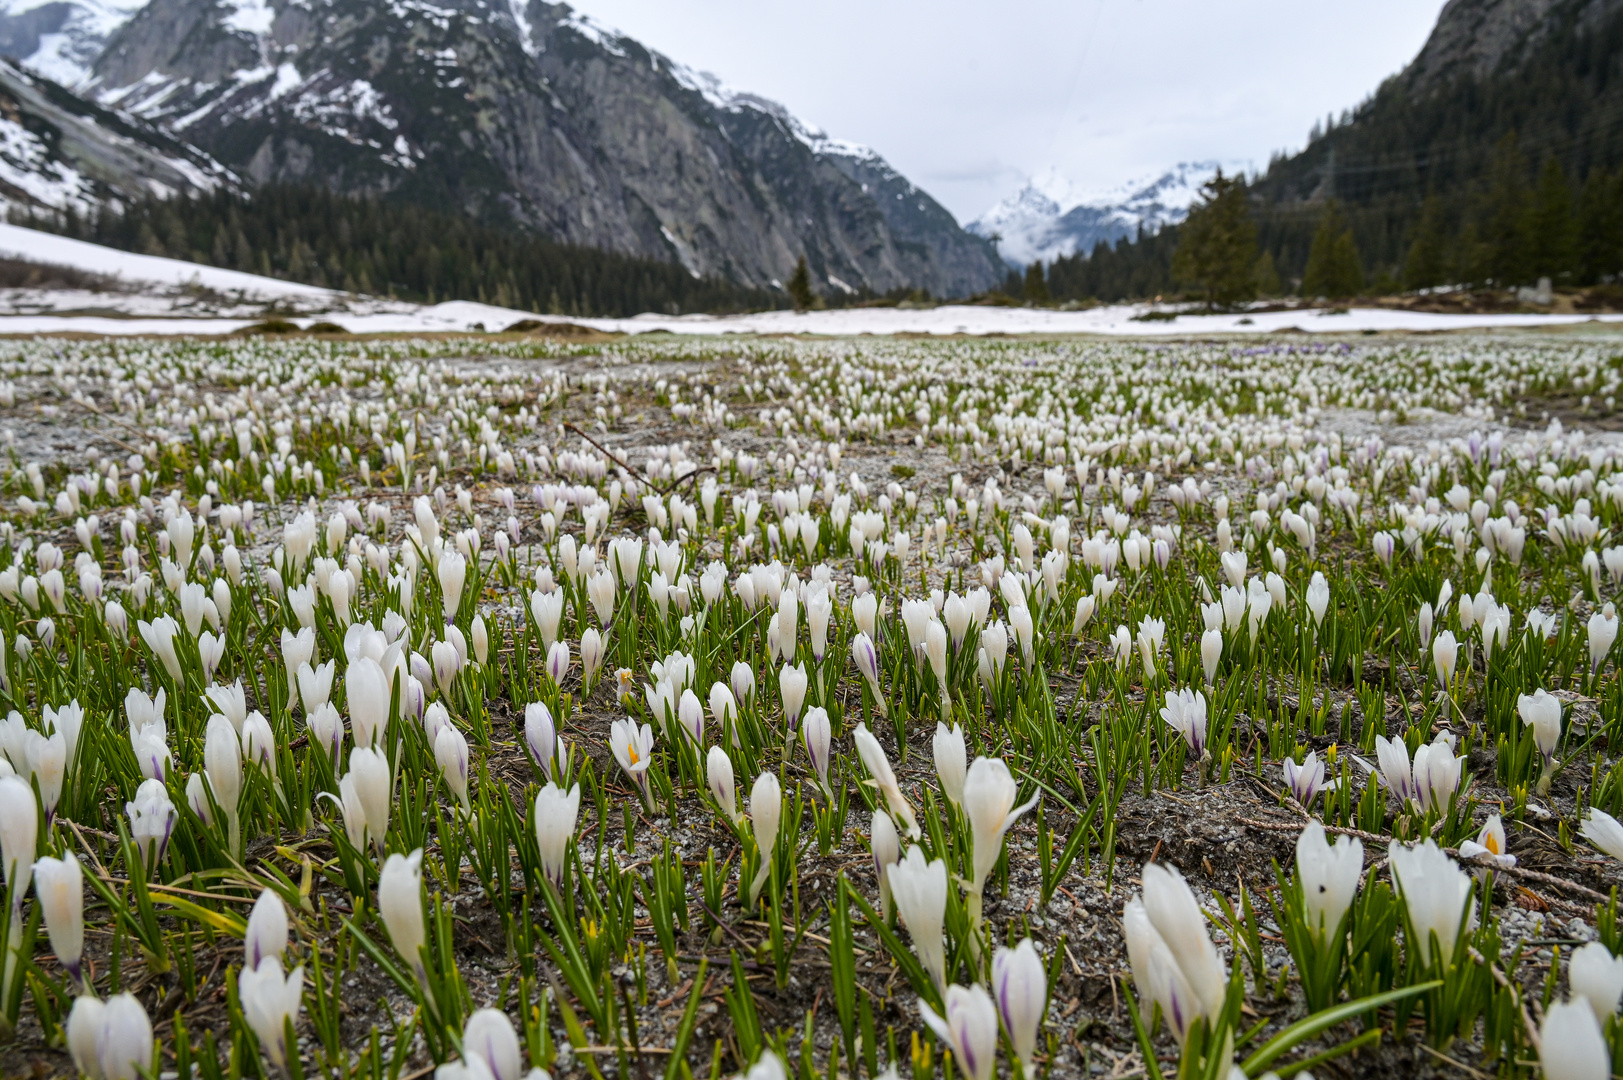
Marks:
<point>1427,264</point>
<point>1600,226</point>
<point>800,290</point>
<point>1505,218</point>
<point>1217,245</point>
<point>1036,288</point>
<point>1265,276</point>
<point>1334,269</point>
<point>1552,236</point>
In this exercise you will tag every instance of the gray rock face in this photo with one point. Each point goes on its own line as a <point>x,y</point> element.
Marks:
<point>1474,37</point>
<point>538,113</point>
<point>59,152</point>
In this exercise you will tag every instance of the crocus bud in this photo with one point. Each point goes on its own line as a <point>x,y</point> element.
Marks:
<point>480,640</point>
<point>1602,633</point>
<point>884,777</point>
<point>1329,875</point>
<point>84,1035</point>
<point>718,768</point>
<point>1211,651</point>
<point>1020,985</point>
<point>269,999</point>
<point>724,710</point>
<point>742,680</point>
<point>373,788</point>
<point>59,887</point>
<point>951,761</point>
<point>935,651</point>
<point>970,1028</point>
<point>540,735</point>
<point>490,1039</point>
<point>124,1044</point>
<point>400,903</point>
<point>1318,597</point>
<point>886,847</point>
<point>1573,1047</point>
<point>1599,828</point>
<point>818,735</point>
<point>918,888</point>
<point>451,754</point>
<point>267,930</point>
<point>556,812</point>
<point>866,657</point>
<point>1445,655</point>
<point>558,662</point>
<point>19,833</point>
<point>453,573</point>
<point>1597,976</point>
<point>690,714</point>
<point>792,684</point>
<point>766,811</point>
<point>592,653</point>
<point>367,692</point>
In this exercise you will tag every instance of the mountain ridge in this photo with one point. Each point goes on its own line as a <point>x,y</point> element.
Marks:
<point>536,113</point>
<point>1047,219</point>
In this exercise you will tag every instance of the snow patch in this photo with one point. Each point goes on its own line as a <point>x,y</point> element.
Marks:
<point>248,16</point>
<point>287,80</point>
<point>526,37</point>
<point>25,164</point>
<point>609,40</point>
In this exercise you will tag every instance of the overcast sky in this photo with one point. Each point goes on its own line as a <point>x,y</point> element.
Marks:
<point>969,99</point>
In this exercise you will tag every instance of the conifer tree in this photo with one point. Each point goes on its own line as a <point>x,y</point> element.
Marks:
<point>1334,269</point>
<point>1505,217</point>
<point>1552,236</point>
<point>1265,276</point>
<point>1427,264</point>
<point>1036,287</point>
<point>1217,244</point>
<point>1600,226</point>
<point>800,290</point>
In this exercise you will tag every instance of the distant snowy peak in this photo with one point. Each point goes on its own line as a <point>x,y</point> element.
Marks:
<point>1048,218</point>
<point>60,39</point>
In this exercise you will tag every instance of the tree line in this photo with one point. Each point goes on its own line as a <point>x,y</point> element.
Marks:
<point>1485,180</point>
<point>381,247</point>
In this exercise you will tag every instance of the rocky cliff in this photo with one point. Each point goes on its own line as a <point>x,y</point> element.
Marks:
<point>539,114</point>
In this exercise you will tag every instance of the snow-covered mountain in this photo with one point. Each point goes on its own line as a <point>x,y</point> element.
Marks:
<point>60,152</point>
<point>1048,217</point>
<point>60,39</point>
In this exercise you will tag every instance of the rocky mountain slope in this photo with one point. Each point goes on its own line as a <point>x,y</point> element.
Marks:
<point>62,153</point>
<point>536,112</point>
<point>1046,218</point>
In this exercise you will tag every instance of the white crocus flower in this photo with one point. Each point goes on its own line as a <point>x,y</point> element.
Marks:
<point>1173,959</point>
<point>989,794</point>
<point>918,888</point>
<point>884,778</point>
<point>969,1028</point>
<point>1434,891</point>
<point>1329,875</point>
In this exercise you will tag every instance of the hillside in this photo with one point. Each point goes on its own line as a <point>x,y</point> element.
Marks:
<point>1511,108</point>
<point>536,115</point>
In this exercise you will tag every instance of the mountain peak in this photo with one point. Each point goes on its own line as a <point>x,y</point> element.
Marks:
<point>525,110</point>
<point>1048,217</point>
